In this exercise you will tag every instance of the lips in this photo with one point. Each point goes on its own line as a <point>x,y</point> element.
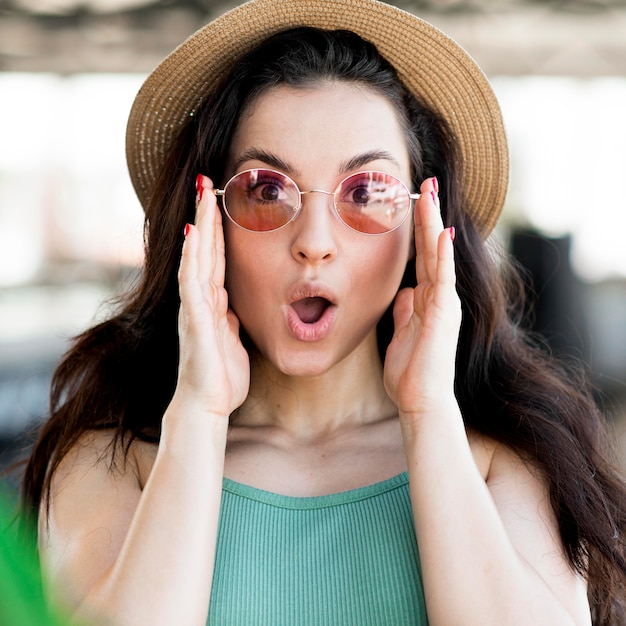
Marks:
<point>311,312</point>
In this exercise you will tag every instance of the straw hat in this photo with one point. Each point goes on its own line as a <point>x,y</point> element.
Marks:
<point>435,68</point>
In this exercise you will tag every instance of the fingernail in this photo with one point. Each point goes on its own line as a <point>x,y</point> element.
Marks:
<point>199,187</point>
<point>436,184</point>
<point>433,195</point>
<point>452,233</point>
<point>187,229</point>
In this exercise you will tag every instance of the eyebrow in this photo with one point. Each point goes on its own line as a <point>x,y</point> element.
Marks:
<point>358,161</point>
<point>273,160</point>
<point>354,163</point>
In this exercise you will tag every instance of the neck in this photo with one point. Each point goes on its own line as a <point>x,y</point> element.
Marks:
<point>313,408</point>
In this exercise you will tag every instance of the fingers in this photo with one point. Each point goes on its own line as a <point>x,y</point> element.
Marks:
<point>189,286</point>
<point>209,223</point>
<point>202,267</point>
<point>428,229</point>
<point>219,268</point>
<point>446,273</point>
<point>445,295</point>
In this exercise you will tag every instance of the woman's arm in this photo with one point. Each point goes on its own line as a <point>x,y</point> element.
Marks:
<point>116,554</point>
<point>489,544</point>
<point>132,554</point>
<point>490,551</point>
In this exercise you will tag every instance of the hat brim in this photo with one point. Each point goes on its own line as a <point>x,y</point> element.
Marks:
<point>430,64</point>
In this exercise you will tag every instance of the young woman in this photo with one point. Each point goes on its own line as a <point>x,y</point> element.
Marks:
<point>319,405</point>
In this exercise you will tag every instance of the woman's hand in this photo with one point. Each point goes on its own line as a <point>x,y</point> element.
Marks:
<point>420,361</point>
<point>214,366</point>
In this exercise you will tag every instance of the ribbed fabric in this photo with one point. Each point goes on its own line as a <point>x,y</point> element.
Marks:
<point>346,559</point>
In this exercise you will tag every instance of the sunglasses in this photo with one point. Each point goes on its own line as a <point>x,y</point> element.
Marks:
<point>262,200</point>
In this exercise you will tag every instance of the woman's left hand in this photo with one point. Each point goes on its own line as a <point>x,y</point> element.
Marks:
<point>420,362</point>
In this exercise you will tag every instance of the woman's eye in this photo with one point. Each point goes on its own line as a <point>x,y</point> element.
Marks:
<point>361,195</point>
<point>266,192</point>
<point>270,192</point>
<point>369,192</point>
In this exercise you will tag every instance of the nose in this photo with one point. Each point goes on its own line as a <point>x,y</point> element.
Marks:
<point>315,228</point>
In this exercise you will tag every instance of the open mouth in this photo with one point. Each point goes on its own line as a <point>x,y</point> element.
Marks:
<point>310,310</point>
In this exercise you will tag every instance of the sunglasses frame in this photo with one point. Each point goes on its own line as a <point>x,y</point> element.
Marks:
<point>297,209</point>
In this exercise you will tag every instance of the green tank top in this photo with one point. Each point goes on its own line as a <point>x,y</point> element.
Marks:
<point>337,560</point>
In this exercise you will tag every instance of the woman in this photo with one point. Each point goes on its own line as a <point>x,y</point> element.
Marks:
<point>334,374</point>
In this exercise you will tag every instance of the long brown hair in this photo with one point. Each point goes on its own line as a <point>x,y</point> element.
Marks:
<point>121,374</point>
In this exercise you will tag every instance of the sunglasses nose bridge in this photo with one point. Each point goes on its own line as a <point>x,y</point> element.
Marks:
<point>332,206</point>
<point>326,193</point>
<point>322,191</point>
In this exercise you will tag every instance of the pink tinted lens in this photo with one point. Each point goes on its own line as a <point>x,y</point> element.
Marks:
<point>372,202</point>
<point>261,200</point>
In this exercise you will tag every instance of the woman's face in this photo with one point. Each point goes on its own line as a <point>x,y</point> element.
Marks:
<point>310,294</point>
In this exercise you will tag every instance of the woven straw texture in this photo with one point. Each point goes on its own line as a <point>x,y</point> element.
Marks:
<point>431,65</point>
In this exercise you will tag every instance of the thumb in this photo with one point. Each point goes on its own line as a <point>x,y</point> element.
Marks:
<point>233,321</point>
<point>403,308</point>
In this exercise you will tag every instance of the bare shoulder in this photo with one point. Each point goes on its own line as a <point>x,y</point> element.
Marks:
<point>93,497</point>
<point>96,457</point>
<point>521,495</point>
<point>483,449</point>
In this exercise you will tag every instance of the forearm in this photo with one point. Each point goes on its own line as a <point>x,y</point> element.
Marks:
<point>163,573</point>
<point>472,572</point>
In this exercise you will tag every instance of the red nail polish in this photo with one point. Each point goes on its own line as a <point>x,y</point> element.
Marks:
<point>433,195</point>
<point>436,184</point>
<point>452,233</point>
<point>199,186</point>
<point>187,229</point>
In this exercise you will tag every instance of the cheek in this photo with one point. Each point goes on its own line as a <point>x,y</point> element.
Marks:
<point>381,272</point>
<point>247,279</point>
<point>238,260</point>
<point>399,249</point>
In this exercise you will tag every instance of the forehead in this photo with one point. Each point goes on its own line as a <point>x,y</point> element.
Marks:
<point>328,122</point>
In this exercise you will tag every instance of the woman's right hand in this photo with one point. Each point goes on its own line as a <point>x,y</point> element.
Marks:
<point>107,527</point>
<point>214,367</point>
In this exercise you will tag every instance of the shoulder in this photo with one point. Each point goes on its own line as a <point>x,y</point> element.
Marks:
<point>497,462</point>
<point>97,477</point>
<point>518,488</point>
<point>483,449</point>
<point>97,485</point>
<point>520,493</point>
<point>94,493</point>
<point>99,452</point>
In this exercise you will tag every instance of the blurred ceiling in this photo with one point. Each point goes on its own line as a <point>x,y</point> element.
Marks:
<point>506,37</point>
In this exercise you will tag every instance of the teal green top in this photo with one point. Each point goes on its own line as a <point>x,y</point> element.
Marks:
<point>337,560</point>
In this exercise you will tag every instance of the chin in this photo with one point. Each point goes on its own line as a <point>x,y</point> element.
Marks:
<point>314,359</point>
<point>303,365</point>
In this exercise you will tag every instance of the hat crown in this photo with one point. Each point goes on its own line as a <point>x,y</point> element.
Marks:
<point>430,64</point>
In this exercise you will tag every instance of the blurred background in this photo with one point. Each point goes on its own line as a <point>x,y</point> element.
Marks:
<point>71,226</point>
